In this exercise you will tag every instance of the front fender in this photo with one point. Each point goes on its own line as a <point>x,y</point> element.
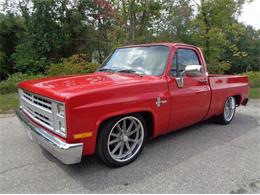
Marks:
<point>87,112</point>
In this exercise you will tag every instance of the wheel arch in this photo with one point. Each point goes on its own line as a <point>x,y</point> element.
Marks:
<point>237,99</point>
<point>147,116</point>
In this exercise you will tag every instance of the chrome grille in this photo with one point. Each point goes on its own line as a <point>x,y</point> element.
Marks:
<point>38,108</point>
<point>45,111</point>
<point>37,100</point>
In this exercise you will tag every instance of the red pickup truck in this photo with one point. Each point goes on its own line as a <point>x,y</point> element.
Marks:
<point>139,92</point>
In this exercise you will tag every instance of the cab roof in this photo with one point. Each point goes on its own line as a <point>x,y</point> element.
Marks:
<point>168,44</point>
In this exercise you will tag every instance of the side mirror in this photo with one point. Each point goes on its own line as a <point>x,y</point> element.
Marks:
<point>193,70</point>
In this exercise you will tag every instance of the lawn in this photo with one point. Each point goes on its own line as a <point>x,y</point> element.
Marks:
<point>254,93</point>
<point>9,102</point>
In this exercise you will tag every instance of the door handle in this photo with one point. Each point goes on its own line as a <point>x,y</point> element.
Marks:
<point>204,81</point>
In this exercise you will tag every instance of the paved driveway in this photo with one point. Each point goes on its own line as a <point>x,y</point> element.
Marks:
<point>205,158</point>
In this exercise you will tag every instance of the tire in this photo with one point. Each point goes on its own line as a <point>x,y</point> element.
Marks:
<point>121,140</point>
<point>228,112</point>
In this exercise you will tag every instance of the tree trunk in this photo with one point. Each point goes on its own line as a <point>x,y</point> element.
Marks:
<point>125,21</point>
<point>207,25</point>
<point>132,21</point>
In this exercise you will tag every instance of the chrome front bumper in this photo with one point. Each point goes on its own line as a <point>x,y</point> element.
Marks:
<point>66,153</point>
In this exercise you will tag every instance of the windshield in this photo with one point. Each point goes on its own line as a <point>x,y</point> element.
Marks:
<point>147,60</point>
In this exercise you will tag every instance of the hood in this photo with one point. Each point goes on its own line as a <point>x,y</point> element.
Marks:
<point>65,87</point>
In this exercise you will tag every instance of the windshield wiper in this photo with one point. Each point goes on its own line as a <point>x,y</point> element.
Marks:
<point>106,70</point>
<point>131,71</point>
<point>114,70</point>
<point>127,71</point>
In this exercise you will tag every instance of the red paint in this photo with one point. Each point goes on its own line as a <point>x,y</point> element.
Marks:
<point>91,99</point>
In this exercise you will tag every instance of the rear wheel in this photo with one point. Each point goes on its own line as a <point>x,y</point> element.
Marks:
<point>121,140</point>
<point>228,111</point>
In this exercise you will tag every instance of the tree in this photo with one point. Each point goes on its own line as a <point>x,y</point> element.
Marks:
<point>100,17</point>
<point>51,27</point>
<point>216,30</point>
<point>175,21</point>
<point>11,30</point>
<point>40,42</point>
<point>136,19</point>
<point>249,44</point>
<point>37,33</point>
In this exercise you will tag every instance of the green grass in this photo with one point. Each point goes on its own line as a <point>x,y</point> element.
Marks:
<point>254,93</point>
<point>8,103</point>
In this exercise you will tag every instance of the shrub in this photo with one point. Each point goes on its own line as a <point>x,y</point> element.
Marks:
<point>26,60</point>
<point>10,85</point>
<point>254,79</point>
<point>220,68</point>
<point>75,64</point>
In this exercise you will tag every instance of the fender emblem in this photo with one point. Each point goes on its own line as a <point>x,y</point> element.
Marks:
<point>159,102</point>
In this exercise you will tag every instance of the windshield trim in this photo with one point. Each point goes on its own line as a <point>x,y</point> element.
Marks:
<point>135,46</point>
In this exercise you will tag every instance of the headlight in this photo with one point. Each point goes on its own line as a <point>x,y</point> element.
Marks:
<point>61,126</point>
<point>60,120</point>
<point>61,110</point>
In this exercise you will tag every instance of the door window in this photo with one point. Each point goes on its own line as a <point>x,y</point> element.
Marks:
<point>182,58</point>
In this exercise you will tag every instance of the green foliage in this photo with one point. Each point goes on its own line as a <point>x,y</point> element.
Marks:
<point>11,29</point>
<point>175,22</point>
<point>51,27</point>
<point>217,32</point>
<point>75,64</point>
<point>26,60</point>
<point>220,68</point>
<point>10,85</point>
<point>254,93</point>
<point>38,36</point>
<point>37,33</point>
<point>8,103</point>
<point>254,79</point>
<point>249,44</point>
<point>136,19</point>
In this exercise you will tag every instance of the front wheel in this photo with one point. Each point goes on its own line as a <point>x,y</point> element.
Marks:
<point>121,140</point>
<point>228,111</point>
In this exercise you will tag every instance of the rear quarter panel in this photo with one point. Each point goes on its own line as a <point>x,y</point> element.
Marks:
<point>224,86</point>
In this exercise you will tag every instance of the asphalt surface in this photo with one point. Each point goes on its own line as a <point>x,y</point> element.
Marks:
<point>204,158</point>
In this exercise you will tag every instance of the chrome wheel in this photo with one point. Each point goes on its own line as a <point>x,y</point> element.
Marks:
<point>125,139</point>
<point>229,109</point>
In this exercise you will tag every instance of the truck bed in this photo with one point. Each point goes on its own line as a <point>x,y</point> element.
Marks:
<point>222,87</point>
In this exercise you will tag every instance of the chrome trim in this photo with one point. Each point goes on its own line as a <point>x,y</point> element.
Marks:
<point>159,102</point>
<point>47,98</point>
<point>180,82</point>
<point>125,140</point>
<point>43,110</point>
<point>193,70</point>
<point>229,109</point>
<point>66,153</point>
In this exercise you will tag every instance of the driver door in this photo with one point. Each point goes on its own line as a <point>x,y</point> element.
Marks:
<point>190,96</point>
